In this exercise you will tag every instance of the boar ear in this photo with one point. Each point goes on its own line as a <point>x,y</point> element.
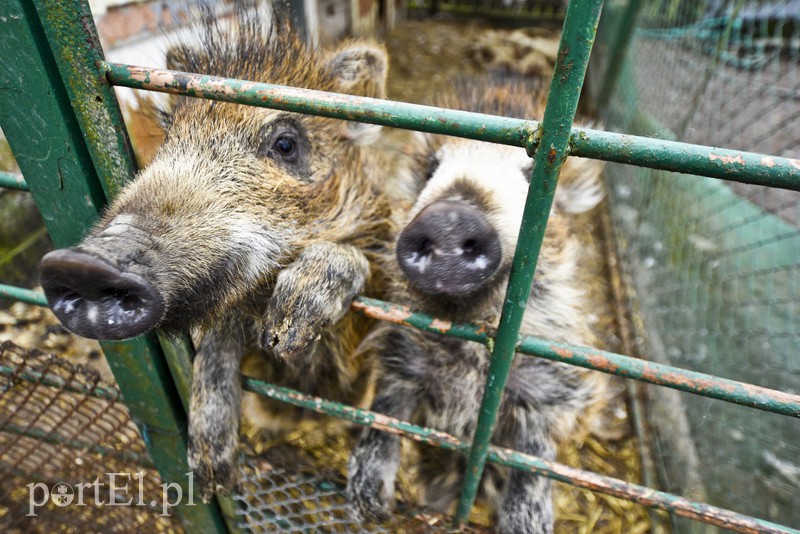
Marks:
<point>360,69</point>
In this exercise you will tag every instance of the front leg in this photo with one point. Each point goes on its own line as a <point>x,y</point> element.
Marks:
<point>311,294</point>
<point>373,464</point>
<point>214,410</point>
<point>527,500</point>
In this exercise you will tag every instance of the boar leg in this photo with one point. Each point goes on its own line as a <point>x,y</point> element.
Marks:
<point>311,294</point>
<point>214,410</point>
<point>527,502</point>
<point>374,461</point>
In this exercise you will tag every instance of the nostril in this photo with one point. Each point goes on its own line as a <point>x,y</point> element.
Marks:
<point>469,247</point>
<point>425,247</point>
<point>128,302</point>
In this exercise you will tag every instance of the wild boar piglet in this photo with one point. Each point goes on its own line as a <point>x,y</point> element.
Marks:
<point>453,261</point>
<point>252,227</point>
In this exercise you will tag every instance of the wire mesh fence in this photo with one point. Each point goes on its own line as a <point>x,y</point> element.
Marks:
<point>63,426</point>
<point>715,265</point>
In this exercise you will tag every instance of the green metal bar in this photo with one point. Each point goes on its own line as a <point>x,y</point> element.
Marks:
<point>619,51</point>
<point>664,375</point>
<point>13,180</point>
<point>179,354</point>
<point>395,313</point>
<point>580,27</point>
<point>69,27</point>
<point>70,157</point>
<point>721,163</point>
<point>501,130</point>
<point>25,295</point>
<point>758,397</point>
<point>584,479</point>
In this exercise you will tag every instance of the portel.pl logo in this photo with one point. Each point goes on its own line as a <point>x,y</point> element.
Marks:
<point>119,489</point>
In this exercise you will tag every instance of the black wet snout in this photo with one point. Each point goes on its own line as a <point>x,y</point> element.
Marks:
<point>449,248</point>
<point>94,299</point>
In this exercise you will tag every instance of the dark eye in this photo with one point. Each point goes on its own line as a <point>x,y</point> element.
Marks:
<point>284,148</point>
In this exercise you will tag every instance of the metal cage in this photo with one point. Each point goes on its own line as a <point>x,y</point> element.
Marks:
<point>63,123</point>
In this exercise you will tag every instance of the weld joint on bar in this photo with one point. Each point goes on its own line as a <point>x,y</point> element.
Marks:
<point>531,139</point>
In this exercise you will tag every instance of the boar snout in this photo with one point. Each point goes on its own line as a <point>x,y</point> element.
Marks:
<point>449,248</point>
<point>94,299</point>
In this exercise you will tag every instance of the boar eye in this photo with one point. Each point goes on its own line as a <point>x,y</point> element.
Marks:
<point>285,142</point>
<point>285,148</point>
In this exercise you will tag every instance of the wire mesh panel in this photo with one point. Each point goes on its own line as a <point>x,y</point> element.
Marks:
<point>61,427</point>
<point>715,265</point>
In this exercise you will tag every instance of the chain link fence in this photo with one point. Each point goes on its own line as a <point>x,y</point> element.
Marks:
<point>714,267</point>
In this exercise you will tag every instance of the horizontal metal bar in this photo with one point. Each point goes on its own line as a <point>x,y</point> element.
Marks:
<point>584,479</point>
<point>758,397</point>
<point>13,180</point>
<point>492,128</point>
<point>25,295</point>
<point>395,313</point>
<point>608,362</point>
<point>722,163</point>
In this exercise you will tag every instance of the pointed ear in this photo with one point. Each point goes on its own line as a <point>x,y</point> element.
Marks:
<point>360,68</point>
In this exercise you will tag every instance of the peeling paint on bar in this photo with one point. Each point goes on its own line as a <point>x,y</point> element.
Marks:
<point>607,362</point>
<point>674,156</point>
<point>508,131</point>
<point>395,313</point>
<point>663,375</point>
<point>584,479</point>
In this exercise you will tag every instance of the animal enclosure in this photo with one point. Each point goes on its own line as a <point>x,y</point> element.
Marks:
<point>694,282</point>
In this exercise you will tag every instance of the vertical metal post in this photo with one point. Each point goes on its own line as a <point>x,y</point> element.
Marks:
<point>580,27</point>
<point>63,124</point>
<point>619,51</point>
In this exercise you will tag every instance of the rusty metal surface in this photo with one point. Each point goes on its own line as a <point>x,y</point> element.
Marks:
<point>603,484</point>
<point>608,362</point>
<point>732,165</point>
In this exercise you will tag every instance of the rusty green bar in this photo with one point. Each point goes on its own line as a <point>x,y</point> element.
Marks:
<point>69,26</point>
<point>722,163</point>
<point>395,313</point>
<point>13,180</point>
<point>492,128</point>
<point>577,38</point>
<point>22,294</point>
<point>584,479</point>
<point>750,395</point>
